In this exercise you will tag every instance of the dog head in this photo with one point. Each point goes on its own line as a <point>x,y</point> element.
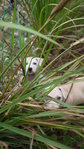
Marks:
<point>58,94</point>
<point>32,66</point>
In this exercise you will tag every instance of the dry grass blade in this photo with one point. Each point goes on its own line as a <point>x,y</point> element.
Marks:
<point>77,42</point>
<point>31,143</point>
<point>59,7</point>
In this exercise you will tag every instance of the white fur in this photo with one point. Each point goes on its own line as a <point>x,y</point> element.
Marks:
<point>33,63</point>
<point>76,95</point>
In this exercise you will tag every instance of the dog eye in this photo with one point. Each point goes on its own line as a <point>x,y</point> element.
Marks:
<point>34,63</point>
<point>58,98</point>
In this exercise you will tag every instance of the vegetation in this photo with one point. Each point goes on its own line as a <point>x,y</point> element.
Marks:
<point>52,29</point>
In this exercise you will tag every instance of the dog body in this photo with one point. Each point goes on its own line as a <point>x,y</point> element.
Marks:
<point>72,93</point>
<point>32,67</point>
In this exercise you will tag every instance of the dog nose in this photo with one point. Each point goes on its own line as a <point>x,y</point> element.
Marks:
<point>30,69</point>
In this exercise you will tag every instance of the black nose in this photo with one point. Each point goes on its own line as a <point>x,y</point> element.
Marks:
<point>30,69</point>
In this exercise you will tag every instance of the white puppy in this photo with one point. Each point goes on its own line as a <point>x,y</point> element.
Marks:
<point>32,66</point>
<point>72,94</point>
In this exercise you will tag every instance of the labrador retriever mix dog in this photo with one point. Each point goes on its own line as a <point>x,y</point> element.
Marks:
<point>72,93</point>
<point>32,67</point>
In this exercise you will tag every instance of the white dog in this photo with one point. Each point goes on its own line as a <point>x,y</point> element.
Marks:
<point>32,67</point>
<point>72,94</point>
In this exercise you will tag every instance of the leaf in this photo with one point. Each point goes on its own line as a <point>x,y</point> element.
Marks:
<point>36,137</point>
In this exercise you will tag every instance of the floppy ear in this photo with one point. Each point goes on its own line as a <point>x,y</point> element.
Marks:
<point>28,59</point>
<point>55,93</point>
<point>40,60</point>
<point>28,62</point>
<point>64,93</point>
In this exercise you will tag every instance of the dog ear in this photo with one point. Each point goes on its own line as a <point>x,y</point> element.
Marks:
<point>28,59</point>
<point>55,93</point>
<point>40,60</point>
<point>28,62</point>
<point>64,93</point>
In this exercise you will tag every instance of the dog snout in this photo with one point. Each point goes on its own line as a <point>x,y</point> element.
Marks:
<point>30,69</point>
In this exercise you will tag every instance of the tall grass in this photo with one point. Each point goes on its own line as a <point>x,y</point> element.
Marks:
<point>24,123</point>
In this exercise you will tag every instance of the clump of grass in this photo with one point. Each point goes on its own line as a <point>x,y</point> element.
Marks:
<point>24,123</point>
